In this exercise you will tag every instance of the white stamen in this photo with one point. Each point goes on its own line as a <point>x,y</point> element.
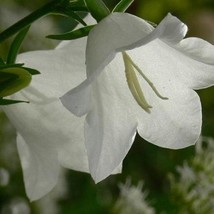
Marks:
<point>134,85</point>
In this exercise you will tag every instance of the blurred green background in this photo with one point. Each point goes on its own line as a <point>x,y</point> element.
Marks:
<point>77,192</point>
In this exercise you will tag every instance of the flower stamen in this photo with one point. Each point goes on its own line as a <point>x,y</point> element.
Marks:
<point>134,85</point>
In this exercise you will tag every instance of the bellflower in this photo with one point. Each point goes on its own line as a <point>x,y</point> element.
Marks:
<point>140,79</point>
<point>48,135</point>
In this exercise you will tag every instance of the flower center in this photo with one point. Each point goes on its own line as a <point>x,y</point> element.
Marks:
<point>133,83</point>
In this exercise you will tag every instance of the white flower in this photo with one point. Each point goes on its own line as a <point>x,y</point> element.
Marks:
<point>48,135</point>
<point>132,200</point>
<point>140,79</point>
<point>193,186</point>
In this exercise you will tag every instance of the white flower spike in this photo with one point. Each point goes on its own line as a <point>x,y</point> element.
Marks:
<point>140,79</point>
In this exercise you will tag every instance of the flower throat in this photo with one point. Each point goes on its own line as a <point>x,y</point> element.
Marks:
<point>133,83</point>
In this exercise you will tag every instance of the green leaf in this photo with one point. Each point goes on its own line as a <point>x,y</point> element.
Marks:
<point>9,102</point>
<point>32,71</point>
<point>97,8</point>
<point>15,46</point>
<point>79,33</point>
<point>13,80</point>
<point>122,6</point>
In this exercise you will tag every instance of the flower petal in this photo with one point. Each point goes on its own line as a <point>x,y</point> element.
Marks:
<point>198,55</point>
<point>176,122</point>
<point>40,167</point>
<point>171,30</point>
<point>50,134</point>
<point>115,33</point>
<point>78,100</point>
<point>109,131</point>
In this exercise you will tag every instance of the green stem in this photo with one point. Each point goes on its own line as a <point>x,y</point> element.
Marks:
<point>44,10</point>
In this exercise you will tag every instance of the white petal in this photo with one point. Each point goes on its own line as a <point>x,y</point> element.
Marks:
<point>40,167</point>
<point>78,100</point>
<point>81,97</point>
<point>50,132</point>
<point>109,131</point>
<point>198,55</point>
<point>171,30</point>
<point>112,34</point>
<point>176,122</point>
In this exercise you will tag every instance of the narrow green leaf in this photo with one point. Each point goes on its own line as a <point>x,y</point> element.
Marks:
<point>16,44</point>
<point>97,8</point>
<point>9,102</point>
<point>76,17</point>
<point>32,71</point>
<point>122,6</point>
<point>79,33</point>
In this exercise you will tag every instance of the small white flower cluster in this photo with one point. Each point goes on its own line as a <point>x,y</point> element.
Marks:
<point>194,191</point>
<point>132,200</point>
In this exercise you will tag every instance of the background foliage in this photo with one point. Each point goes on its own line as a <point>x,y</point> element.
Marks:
<point>77,192</point>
